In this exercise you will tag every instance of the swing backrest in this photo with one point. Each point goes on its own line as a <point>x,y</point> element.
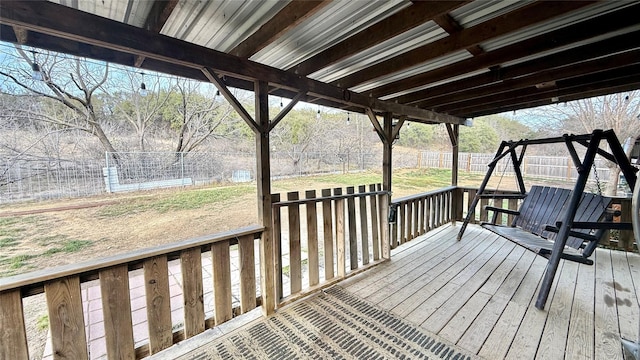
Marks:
<point>547,205</point>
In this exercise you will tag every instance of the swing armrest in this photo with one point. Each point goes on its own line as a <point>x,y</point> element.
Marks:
<point>579,235</point>
<point>501,210</point>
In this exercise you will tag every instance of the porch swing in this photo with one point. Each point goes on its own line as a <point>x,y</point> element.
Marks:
<point>556,223</point>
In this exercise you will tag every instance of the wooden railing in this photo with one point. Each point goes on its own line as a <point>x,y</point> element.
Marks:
<point>338,227</point>
<point>67,305</point>
<point>414,215</point>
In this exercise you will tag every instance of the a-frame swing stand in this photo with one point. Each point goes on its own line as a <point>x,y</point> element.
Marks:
<point>515,150</point>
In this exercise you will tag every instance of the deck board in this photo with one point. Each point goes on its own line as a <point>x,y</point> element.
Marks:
<point>479,293</point>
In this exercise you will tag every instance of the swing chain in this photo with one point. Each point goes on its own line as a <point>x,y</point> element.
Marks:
<point>595,174</point>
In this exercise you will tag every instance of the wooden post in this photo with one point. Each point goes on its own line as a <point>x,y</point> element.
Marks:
<point>327,226</point>
<point>456,200</point>
<point>295,251</point>
<point>265,216</point>
<point>353,243</point>
<point>340,233</point>
<point>312,239</point>
<point>364,224</point>
<point>387,169</point>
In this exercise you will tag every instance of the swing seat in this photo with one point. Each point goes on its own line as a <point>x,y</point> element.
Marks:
<point>536,223</point>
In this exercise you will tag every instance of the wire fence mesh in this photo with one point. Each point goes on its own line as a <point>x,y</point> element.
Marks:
<point>28,180</point>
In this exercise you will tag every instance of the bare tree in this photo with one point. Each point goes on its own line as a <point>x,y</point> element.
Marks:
<point>197,114</point>
<point>71,83</point>
<point>141,108</point>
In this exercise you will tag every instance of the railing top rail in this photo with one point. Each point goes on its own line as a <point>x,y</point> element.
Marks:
<point>40,276</point>
<point>425,194</point>
<point>324,198</point>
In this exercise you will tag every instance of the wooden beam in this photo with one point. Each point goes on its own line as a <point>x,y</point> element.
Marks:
<point>159,14</point>
<point>376,125</point>
<point>157,17</point>
<point>520,18</point>
<point>22,34</point>
<point>594,27</point>
<point>571,56</point>
<point>224,90</point>
<point>397,127</point>
<point>451,26</point>
<point>286,110</point>
<point>289,17</point>
<point>537,80</point>
<point>54,19</point>
<point>404,20</point>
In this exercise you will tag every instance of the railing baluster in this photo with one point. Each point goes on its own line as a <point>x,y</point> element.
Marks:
<point>14,338</point>
<point>421,216</point>
<point>295,252</point>
<point>192,290</point>
<point>312,238</point>
<point>340,233</point>
<point>364,224</point>
<point>116,308</point>
<point>66,319</point>
<point>156,279</point>
<point>327,226</point>
<point>221,260</point>
<point>247,264</point>
<point>402,219</point>
<point>375,238</point>
<point>409,222</point>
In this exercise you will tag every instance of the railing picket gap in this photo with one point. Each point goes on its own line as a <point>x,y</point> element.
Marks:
<point>277,244</point>
<point>375,238</point>
<point>116,308</point>
<point>295,251</point>
<point>353,236</point>
<point>156,279</point>
<point>192,290</point>
<point>66,319</point>
<point>364,224</point>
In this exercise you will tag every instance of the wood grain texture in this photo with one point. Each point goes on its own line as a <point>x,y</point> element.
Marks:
<point>581,323</point>
<point>221,282</point>
<point>312,239</point>
<point>247,273</point>
<point>385,236</point>
<point>340,233</point>
<point>192,290</point>
<point>156,282</point>
<point>606,314</point>
<point>12,329</point>
<point>116,308</point>
<point>295,249</point>
<point>410,220</point>
<point>66,320</point>
<point>402,220</point>
<point>327,227</point>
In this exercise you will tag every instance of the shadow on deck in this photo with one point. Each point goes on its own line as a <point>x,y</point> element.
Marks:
<point>478,294</point>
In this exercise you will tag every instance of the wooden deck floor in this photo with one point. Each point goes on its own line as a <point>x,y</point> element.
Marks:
<point>479,294</point>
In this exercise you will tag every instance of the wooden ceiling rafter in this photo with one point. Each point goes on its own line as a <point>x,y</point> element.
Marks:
<point>520,18</point>
<point>576,95</point>
<point>565,88</point>
<point>416,14</point>
<point>158,15</point>
<point>451,26</point>
<point>539,79</point>
<point>575,55</point>
<point>44,16</point>
<point>290,16</point>
<point>575,33</point>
